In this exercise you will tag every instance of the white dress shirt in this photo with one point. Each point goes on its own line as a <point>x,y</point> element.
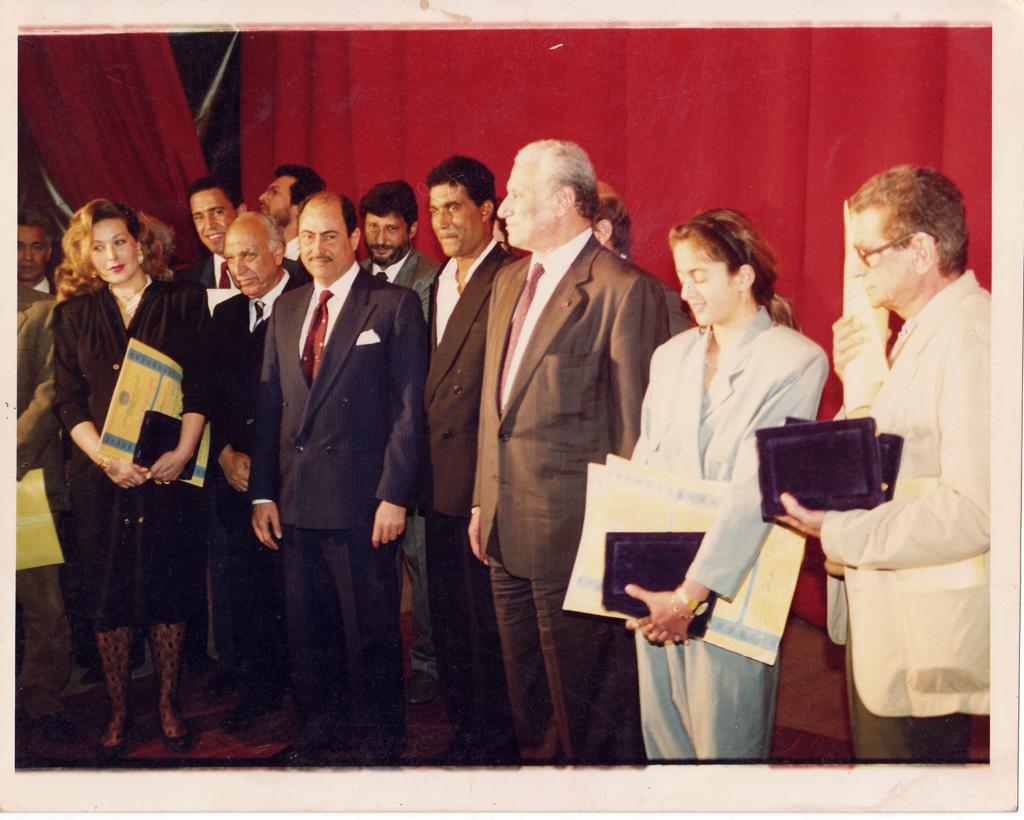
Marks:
<point>291,249</point>
<point>340,289</point>
<point>555,265</point>
<point>43,286</point>
<point>448,289</point>
<point>268,302</point>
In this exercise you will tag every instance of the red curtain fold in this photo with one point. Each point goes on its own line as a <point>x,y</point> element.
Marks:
<point>110,117</point>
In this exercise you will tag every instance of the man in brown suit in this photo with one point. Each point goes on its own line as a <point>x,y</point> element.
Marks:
<point>570,336</point>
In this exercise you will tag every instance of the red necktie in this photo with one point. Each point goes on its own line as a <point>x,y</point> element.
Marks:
<point>518,320</point>
<point>225,282</point>
<point>313,349</point>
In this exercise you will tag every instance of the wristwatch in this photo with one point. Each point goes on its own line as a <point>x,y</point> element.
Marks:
<point>692,604</point>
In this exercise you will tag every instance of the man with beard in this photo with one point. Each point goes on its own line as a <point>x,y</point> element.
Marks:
<point>389,215</point>
<point>290,186</point>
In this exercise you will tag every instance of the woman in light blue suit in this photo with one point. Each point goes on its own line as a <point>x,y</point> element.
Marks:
<point>711,387</point>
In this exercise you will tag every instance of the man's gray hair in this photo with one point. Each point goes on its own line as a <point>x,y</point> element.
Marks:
<point>271,224</point>
<point>570,166</point>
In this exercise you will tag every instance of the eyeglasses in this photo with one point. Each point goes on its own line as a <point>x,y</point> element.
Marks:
<point>871,258</point>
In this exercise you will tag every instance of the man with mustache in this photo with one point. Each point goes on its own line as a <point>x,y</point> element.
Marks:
<point>389,215</point>
<point>335,459</point>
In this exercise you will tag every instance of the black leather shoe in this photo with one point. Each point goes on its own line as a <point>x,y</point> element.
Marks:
<point>222,685</point>
<point>248,713</point>
<point>422,689</point>
<point>302,756</point>
<point>57,728</point>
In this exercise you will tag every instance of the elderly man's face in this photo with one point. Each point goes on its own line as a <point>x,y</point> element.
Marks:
<point>253,258</point>
<point>890,281</point>
<point>33,254</point>
<point>529,209</point>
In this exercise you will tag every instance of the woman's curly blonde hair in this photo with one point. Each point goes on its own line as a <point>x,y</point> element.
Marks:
<point>76,275</point>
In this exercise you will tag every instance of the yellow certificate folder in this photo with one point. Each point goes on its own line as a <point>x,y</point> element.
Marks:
<point>149,380</point>
<point>627,497</point>
<point>36,536</point>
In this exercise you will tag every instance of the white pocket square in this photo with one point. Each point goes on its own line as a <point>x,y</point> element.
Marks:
<point>368,337</point>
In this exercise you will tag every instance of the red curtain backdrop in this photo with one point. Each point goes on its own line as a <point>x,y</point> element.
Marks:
<point>109,115</point>
<point>781,123</point>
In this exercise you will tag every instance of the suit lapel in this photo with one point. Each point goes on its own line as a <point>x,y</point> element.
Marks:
<point>408,269</point>
<point>735,361</point>
<point>462,318</point>
<point>505,295</point>
<point>350,322</point>
<point>556,313</point>
<point>288,316</point>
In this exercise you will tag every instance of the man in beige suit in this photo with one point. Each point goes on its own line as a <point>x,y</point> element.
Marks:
<point>569,340</point>
<point>916,567</point>
<point>47,661</point>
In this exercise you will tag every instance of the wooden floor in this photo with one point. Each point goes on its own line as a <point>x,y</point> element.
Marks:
<point>811,723</point>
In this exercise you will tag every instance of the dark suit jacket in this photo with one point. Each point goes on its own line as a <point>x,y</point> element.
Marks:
<point>202,272</point>
<point>576,397</point>
<point>452,397</point>
<point>38,442</point>
<point>417,272</point>
<point>327,453</point>
<point>238,356</point>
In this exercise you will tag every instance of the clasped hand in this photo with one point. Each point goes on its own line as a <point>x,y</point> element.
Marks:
<point>165,469</point>
<point>664,623</point>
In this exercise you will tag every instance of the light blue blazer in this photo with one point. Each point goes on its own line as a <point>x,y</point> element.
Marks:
<point>770,373</point>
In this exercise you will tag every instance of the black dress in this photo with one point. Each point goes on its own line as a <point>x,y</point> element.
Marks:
<point>142,548</point>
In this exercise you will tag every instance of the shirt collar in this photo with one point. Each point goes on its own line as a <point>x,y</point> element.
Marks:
<point>392,270</point>
<point>452,265</point>
<point>340,285</point>
<point>271,295</point>
<point>559,260</point>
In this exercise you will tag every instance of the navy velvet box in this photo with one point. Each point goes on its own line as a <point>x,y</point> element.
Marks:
<point>159,434</point>
<point>826,465</point>
<point>655,561</point>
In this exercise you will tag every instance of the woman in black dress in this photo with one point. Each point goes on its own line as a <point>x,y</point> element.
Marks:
<point>140,530</point>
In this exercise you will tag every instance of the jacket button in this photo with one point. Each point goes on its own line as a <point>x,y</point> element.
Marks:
<point>457,390</point>
<point>249,421</point>
<point>117,367</point>
<point>330,450</point>
<point>284,402</point>
<point>141,519</point>
<point>447,434</point>
<point>504,436</point>
<point>299,448</point>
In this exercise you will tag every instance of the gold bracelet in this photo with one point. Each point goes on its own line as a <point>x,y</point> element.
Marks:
<point>101,460</point>
<point>687,614</point>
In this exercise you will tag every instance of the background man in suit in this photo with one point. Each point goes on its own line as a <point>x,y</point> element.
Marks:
<point>389,214</point>
<point>335,460</point>
<point>916,567</point>
<point>462,206</point>
<point>611,228</point>
<point>569,341</point>
<point>35,247</point>
<point>214,207</point>
<point>251,597</point>
<point>281,200</point>
<point>47,660</point>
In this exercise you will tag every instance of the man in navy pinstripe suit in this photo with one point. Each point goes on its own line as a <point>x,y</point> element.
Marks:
<point>334,469</point>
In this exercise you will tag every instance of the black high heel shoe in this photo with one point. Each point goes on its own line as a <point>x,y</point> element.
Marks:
<point>115,751</point>
<point>181,744</point>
